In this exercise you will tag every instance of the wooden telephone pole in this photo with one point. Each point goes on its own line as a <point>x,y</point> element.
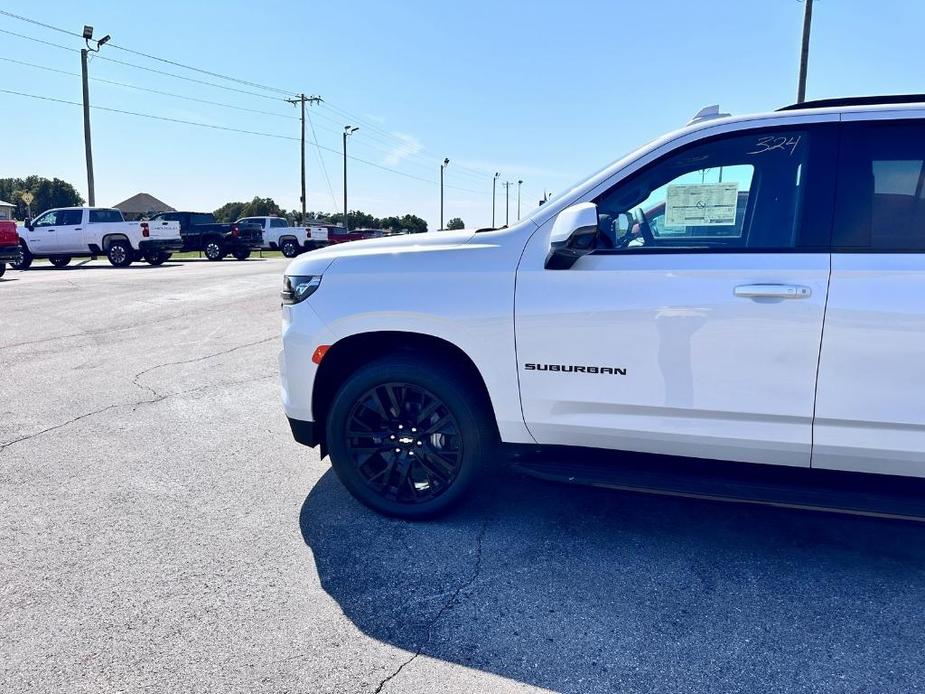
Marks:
<point>301,99</point>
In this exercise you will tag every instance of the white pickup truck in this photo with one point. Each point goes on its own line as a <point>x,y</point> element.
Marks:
<point>71,232</point>
<point>279,236</point>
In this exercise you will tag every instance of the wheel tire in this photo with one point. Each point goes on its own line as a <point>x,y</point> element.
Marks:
<point>25,259</point>
<point>60,260</point>
<point>242,253</point>
<point>466,439</point>
<point>120,254</point>
<point>213,250</point>
<point>157,258</point>
<point>289,248</point>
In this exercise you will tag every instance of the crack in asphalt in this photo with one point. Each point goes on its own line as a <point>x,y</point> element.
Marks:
<point>157,396</point>
<point>444,609</point>
<point>198,359</point>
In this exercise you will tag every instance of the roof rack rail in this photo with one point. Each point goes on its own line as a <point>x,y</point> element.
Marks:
<point>858,101</point>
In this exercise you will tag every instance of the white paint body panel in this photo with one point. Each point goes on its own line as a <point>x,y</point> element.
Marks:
<point>708,374</point>
<point>870,407</point>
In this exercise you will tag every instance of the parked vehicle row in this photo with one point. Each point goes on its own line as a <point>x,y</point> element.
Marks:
<point>200,232</point>
<point>62,234</point>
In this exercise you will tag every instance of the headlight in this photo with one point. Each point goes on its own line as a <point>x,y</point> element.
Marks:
<point>297,288</point>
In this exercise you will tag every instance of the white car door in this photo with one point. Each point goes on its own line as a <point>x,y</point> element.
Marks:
<point>870,410</point>
<point>69,232</point>
<point>693,328</point>
<point>41,238</point>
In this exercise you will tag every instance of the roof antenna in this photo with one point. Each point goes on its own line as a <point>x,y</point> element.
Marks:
<point>707,113</point>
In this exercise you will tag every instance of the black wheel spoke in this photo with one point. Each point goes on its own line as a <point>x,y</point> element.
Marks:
<point>404,442</point>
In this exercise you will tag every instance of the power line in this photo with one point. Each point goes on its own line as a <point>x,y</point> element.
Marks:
<point>148,89</point>
<point>324,169</point>
<point>227,129</point>
<point>142,67</point>
<point>248,83</point>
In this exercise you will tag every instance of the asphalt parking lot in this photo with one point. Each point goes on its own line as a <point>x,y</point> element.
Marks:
<point>160,531</point>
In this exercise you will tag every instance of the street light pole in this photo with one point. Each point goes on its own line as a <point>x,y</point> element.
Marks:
<point>446,162</point>
<point>507,204</point>
<point>804,50</point>
<point>519,183</point>
<point>84,55</point>
<point>493,182</point>
<point>348,130</point>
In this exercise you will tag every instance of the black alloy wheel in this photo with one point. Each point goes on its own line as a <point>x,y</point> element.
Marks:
<point>409,435</point>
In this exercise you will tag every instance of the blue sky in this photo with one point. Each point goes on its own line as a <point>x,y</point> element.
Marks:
<point>542,91</point>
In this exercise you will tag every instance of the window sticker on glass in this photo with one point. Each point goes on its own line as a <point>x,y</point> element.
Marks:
<point>708,204</point>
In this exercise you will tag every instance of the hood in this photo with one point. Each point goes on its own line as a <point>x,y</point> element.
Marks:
<point>315,262</point>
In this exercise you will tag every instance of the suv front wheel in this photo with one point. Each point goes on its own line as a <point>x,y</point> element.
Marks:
<point>409,437</point>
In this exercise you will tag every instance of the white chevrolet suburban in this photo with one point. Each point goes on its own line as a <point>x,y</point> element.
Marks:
<point>65,233</point>
<point>746,289</point>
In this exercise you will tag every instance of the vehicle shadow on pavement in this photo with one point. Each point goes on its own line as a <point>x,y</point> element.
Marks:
<point>583,590</point>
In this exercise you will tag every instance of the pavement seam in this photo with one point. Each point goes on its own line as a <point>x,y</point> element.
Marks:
<point>443,610</point>
<point>158,398</point>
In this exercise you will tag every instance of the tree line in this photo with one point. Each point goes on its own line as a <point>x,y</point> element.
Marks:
<point>50,193</point>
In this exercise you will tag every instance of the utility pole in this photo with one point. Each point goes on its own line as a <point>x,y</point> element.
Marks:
<point>301,99</point>
<point>493,182</point>
<point>84,55</point>
<point>507,207</point>
<point>804,50</point>
<point>519,183</point>
<point>446,163</point>
<point>348,131</point>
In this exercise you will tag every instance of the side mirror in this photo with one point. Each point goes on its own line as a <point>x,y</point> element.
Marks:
<point>573,234</point>
<point>29,225</point>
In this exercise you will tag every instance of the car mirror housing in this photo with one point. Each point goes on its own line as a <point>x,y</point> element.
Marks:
<point>572,235</point>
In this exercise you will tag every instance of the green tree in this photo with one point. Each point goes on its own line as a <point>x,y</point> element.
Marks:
<point>229,212</point>
<point>391,223</point>
<point>358,220</point>
<point>47,194</point>
<point>261,207</point>
<point>455,223</point>
<point>258,207</point>
<point>413,223</point>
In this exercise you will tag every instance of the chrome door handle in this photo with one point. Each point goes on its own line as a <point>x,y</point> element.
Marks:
<point>773,291</point>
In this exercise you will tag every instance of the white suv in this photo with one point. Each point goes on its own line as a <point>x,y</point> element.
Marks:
<point>743,289</point>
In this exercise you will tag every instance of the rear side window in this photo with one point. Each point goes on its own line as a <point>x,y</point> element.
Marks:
<point>278,223</point>
<point>880,202</point>
<point>202,219</point>
<point>741,192</point>
<point>100,216</point>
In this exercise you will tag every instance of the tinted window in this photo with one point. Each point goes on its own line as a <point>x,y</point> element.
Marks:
<point>279,223</point>
<point>736,192</point>
<point>98,216</point>
<point>881,203</point>
<point>202,218</point>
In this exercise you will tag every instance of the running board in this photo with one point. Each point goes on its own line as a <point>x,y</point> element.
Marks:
<point>881,496</point>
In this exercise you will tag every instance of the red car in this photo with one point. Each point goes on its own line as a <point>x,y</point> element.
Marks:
<point>9,244</point>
